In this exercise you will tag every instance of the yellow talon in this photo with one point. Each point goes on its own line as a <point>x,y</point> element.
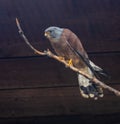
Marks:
<point>70,62</point>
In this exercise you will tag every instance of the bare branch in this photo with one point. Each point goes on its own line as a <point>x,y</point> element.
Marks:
<point>50,54</point>
<point>26,40</point>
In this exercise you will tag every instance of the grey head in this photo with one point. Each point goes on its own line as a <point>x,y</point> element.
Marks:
<point>53,32</point>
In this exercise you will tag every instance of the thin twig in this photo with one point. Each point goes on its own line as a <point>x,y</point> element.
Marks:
<point>26,40</point>
<point>50,54</point>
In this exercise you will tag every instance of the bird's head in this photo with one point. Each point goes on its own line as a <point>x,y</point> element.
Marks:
<point>53,32</point>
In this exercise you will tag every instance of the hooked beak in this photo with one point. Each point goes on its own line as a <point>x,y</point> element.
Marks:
<point>46,34</point>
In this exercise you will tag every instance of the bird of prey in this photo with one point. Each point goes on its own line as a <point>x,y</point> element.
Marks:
<point>68,46</point>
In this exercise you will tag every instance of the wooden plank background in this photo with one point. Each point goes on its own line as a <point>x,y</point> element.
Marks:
<point>34,87</point>
<point>45,72</point>
<point>96,23</point>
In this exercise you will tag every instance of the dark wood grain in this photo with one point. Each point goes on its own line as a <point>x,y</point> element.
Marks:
<point>35,89</point>
<point>46,72</point>
<point>97,26</point>
<point>53,101</point>
<point>72,119</point>
<point>40,86</point>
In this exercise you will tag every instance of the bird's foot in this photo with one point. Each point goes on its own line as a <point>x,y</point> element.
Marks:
<point>70,62</point>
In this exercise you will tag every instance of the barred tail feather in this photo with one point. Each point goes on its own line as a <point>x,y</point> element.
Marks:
<point>89,89</point>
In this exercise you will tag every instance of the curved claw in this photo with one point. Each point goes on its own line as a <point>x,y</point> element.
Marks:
<point>70,62</point>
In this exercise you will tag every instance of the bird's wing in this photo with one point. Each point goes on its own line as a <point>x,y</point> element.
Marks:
<point>76,46</point>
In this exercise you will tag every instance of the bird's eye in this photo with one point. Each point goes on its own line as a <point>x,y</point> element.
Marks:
<point>50,31</point>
